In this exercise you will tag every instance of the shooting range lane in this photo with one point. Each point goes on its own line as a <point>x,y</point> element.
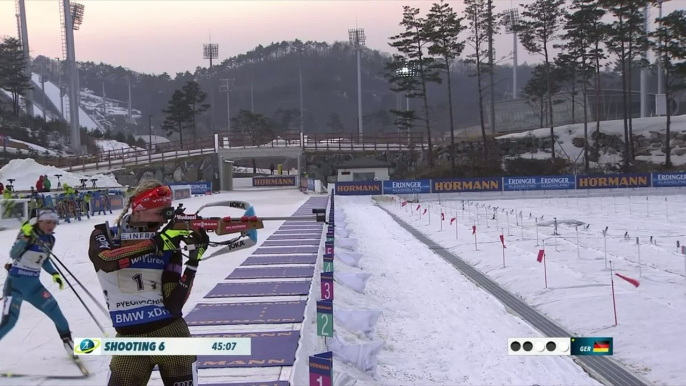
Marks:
<point>269,349</point>
<point>276,288</point>
<point>310,234</point>
<point>280,259</point>
<point>271,272</point>
<point>272,347</point>
<point>286,250</point>
<point>296,237</point>
<point>213,314</point>
<point>260,383</point>
<point>290,243</point>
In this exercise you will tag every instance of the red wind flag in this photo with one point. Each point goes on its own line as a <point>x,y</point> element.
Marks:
<point>442,216</point>
<point>635,282</point>
<point>502,240</point>
<point>452,220</point>
<point>404,203</point>
<point>418,206</point>
<point>424,212</point>
<point>473,229</point>
<point>541,254</point>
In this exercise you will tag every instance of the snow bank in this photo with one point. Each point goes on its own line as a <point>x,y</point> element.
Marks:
<point>111,144</point>
<point>26,172</point>
<point>566,133</point>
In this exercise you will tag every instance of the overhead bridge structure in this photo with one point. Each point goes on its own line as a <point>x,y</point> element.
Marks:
<point>234,148</point>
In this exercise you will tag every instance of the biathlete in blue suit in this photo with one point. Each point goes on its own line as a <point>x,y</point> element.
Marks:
<point>29,254</point>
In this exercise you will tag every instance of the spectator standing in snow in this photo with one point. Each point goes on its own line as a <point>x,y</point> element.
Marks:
<point>46,183</point>
<point>271,167</point>
<point>39,184</point>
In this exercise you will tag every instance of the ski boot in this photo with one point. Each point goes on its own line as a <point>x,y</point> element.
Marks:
<point>69,347</point>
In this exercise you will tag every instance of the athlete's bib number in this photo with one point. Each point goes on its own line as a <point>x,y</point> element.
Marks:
<point>133,281</point>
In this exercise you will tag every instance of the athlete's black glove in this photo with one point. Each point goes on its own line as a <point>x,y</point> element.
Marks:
<point>197,243</point>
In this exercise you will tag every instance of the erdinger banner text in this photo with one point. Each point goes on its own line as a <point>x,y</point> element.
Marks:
<point>162,346</point>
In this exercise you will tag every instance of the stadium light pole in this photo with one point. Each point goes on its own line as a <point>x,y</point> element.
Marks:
<point>150,138</point>
<point>406,72</point>
<point>24,38</point>
<point>72,18</point>
<point>357,40</point>
<point>225,86</point>
<point>211,52</point>
<point>512,16</point>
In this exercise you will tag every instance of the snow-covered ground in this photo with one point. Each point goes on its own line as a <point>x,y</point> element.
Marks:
<point>40,347</point>
<point>641,126</point>
<point>579,294</point>
<point>53,93</point>
<point>111,144</point>
<point>438,327</point>
<point>26,172</point>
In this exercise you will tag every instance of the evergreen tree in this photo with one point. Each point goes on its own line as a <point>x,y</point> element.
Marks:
<point>541,21</point>
<point>444,28</point>
<point>669,44</point>
<point>12,71</point>
<point>120,137</point>
<point>131,140</point>
<point>256,127</point>
<point>179,115</point>
<point>583,33</point>
<point>194,97</point>
<point>619,38</point>
<point>335,123</point>
<point>477,13</point>
<point>535,91</point>
<point>412,44</point>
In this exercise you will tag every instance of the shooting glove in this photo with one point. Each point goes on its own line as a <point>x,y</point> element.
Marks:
<point>169,240</point>
<point>199,240</point>
<point>58,280</point>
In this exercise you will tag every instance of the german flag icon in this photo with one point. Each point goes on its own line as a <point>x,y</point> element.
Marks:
<point>601,346</point>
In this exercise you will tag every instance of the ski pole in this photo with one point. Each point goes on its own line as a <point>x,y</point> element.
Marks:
<point>102,329</point>
<point>75,279</point>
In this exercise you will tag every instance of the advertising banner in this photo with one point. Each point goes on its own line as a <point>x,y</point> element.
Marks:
<point>662,180</point>
<point>359,188</point>
<point>457,185</point>
<point>197,188</point>
<point>511,184</point>
<point>613,181</point>
<point>407,187</point>
<point>274,181</point>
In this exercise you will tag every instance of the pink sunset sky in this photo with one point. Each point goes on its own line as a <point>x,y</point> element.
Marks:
<point>158,36</point>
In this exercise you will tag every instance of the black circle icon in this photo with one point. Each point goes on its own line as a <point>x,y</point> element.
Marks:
<point>515,346</point>
<point>551,346</point>
<point>528,346</point>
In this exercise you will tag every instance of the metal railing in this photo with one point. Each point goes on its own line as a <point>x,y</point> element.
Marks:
<point>329,142</point>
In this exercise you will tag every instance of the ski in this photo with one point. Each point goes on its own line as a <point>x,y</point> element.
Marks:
<point>44,376</point>
<point>82,367</point>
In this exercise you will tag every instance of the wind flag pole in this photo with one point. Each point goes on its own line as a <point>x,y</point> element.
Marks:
<point>502,241</point>
<point>541,257</point>
<point>454,219</point>
<point>633,282</point>
<point>476,248</point>
<point>638,248</point>
<point>578,255</point>
<point>442,219</point>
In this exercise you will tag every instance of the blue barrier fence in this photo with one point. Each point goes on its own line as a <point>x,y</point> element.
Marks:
<point>197,188</point>
<point>512,184</point>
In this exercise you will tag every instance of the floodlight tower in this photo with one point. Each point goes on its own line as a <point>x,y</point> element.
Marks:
<point>24,38</point>
<point>406,72</point>
<point>72,17</point>
<point>211,52</point>
<point>512,16</point>
<point>357,39</point>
